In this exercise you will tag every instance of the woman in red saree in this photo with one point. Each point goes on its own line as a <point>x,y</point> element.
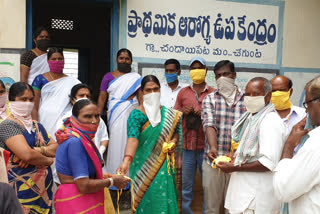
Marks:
<point>83,186</point>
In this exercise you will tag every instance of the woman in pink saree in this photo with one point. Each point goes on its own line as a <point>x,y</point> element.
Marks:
<point>83,186</point>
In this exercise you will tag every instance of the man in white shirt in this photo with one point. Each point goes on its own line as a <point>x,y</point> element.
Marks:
<point>290,114</point>
<point>171,88</point>
<point>297,178</point>
<point>261,135</point>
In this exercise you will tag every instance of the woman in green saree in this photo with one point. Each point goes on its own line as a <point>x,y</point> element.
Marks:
<point>153,153</point>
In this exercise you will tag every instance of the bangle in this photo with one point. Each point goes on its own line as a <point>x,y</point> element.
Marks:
<point>111,182</point>
<point>129,156</point>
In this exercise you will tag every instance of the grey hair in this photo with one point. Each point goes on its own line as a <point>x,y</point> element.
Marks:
<point>266,84</point>
<point>313,87</point>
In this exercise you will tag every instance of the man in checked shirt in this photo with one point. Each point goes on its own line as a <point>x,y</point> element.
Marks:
<point>220,110</point>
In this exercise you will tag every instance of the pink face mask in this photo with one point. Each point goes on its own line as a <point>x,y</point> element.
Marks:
<point>22,111</point>
<point>56,66</point>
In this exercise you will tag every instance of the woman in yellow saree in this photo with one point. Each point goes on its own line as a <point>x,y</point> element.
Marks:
<point>153,153</point>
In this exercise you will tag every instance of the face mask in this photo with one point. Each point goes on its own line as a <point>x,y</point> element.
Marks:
<point>3,106</point>
<point>56,66</point>
<point>124,67</point>
<point>88,129</point>
<point>171,77</point>
<point>22,111</point>
<point>254,104</point>
<point>227,89</point>
<point>198,75</point>
<point>3,99</point>
<point>281,100</point>
<point>43,44</point>
<point>151,104</point>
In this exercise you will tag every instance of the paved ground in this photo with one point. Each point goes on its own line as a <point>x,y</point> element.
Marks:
<point>196,204</point>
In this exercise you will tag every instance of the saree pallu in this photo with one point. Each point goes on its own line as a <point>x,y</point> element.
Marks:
<point>33,185</point>
<point>154,189</point>
<point>39,66</point>
<point>68,199</point>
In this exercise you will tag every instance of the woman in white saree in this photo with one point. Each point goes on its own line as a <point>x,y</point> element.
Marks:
<point>52,91</point>
<point>121,87</point>
<point>34,62</point>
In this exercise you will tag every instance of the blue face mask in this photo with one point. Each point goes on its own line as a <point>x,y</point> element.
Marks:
<point>171,77</point>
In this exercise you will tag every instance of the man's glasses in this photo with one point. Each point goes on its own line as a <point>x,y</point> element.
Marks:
<point>305,104</point>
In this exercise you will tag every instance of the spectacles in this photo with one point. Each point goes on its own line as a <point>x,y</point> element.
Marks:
<point>305,104</point>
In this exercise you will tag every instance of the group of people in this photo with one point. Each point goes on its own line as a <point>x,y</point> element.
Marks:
<point>256,152</point>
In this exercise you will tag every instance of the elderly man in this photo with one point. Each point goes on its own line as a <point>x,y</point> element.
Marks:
<point>189,101</point>
<point>261,135</point>
<point>171,88</point>
<point>297,178</point>
<point>220,110</point>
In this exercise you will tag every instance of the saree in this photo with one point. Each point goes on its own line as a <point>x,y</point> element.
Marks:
<point>156,186</point>
<point>119,109</point>
<point>33,185</point>
<point>55,102</point>
<point>39,66</point>
<point>68,199</point>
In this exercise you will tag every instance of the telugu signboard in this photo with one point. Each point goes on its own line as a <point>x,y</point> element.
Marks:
<point>215,30</point>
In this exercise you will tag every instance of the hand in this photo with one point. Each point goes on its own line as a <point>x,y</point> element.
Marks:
<point>123,168</point>
<point>120,181</point>
<point>198,113</point>
<point>173,149</point>
<point>187,110</point>
<point>226,166</point>
<point>23,164</point>
<point>297,133</point>
<point>212,154</point>
<point>107,175</point>
<point>51,161</point>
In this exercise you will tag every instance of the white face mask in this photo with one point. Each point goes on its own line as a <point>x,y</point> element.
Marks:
<point>254,104</point>
<point>227,89</point>
<point>151,104</point>
<point>3,99</point>
<point>22,111</point>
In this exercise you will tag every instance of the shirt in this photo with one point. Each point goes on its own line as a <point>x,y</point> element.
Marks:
<point>217,114</point>
<point>192,139</point>
<point>296,114</point>
<point>297,180</point>
<point>254,190</point>
<point>169,96</point>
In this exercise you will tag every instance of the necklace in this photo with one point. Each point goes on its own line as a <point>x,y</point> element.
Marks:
<point>51,76</point>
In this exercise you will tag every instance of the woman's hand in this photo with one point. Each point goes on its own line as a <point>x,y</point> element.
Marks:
<point>124,167</point>
<point>172,149</point>
<point>22,164</point>
<point>120,181</point>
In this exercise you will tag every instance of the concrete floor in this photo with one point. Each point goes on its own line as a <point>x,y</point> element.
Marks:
<point>196,205</point>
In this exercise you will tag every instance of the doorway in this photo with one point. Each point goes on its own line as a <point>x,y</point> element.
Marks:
<point>79,26</point>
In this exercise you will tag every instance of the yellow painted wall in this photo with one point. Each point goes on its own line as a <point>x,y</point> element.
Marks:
<point>301,45</point>
<point>12,23</point>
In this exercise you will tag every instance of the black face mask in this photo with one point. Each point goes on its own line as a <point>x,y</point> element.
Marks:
<point>43,44</point>
<point>124,67</point>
